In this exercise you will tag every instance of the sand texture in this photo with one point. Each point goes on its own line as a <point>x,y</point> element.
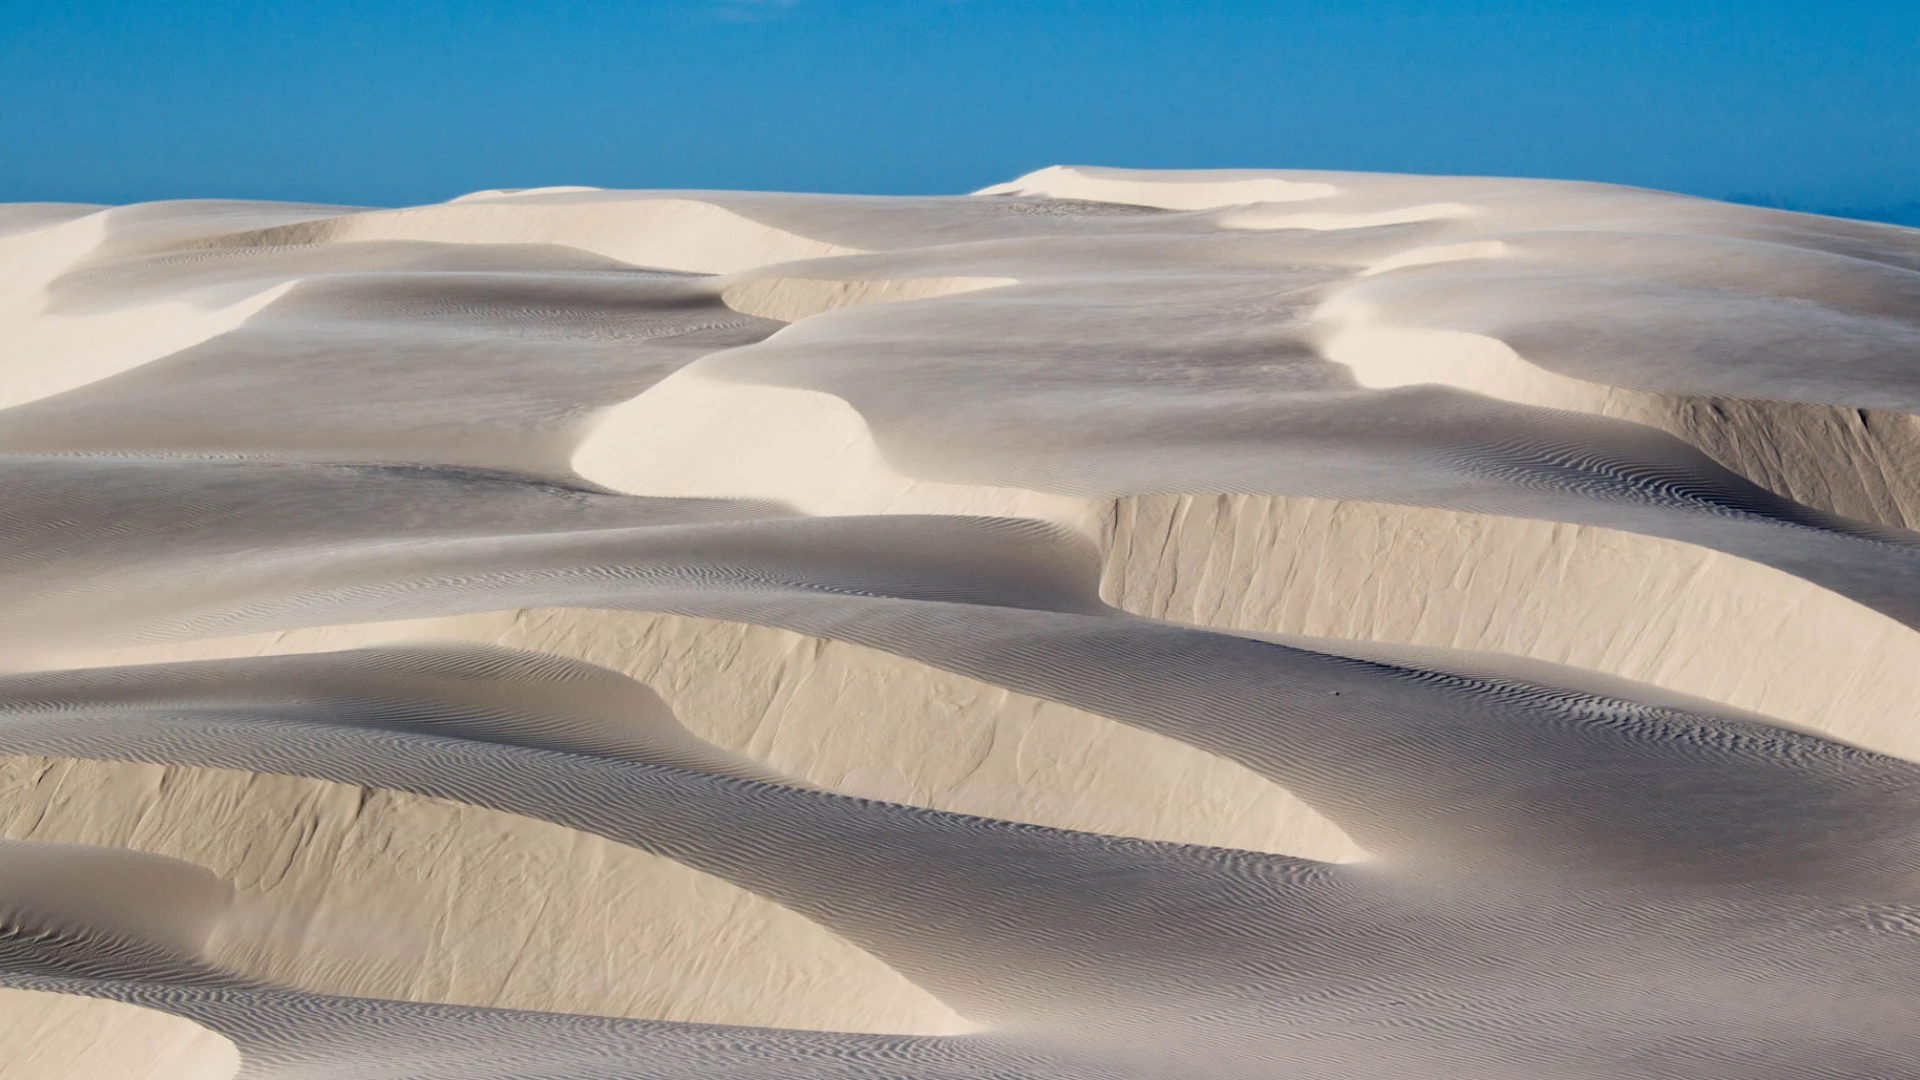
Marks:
<point>1111,626</point>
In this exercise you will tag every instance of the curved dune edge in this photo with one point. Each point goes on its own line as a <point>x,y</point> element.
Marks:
<point>365,892</point>
<point>1382,355</point>
<point>790,299</point>
<point>32,258</point>
<point>1434,254</point>
<point>490,194</point>
<point>663,233</point>
<point>1163,191</point>
<point>363,325</point>
<point>56,353</point>
<point>1275,217</point>
<point>1680,617</point>
<point>1862,464</point>
<point>693,435</point>
<point>61,1037</point>
<point>862,722</point>
<point>50,353</point>
<point>92,897</point>
<point>19,219</point>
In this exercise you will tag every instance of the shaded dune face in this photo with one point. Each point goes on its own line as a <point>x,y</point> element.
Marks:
<point>1114,625</point>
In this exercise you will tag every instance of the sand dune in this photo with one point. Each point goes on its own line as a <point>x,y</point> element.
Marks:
<point>1112,625</point>
<point>55,1036</point>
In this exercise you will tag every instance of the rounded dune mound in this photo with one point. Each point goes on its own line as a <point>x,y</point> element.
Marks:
<point>1167,190</point>
<point>504,193</point>
<point>803,449</point>
<point>1112,624</point>
<point>658,231</point>
<point>75,912</point>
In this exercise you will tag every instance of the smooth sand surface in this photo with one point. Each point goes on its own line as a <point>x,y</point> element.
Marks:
<point>1113,625</point>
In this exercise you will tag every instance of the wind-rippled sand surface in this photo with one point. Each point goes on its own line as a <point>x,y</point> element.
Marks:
<point>1114,625</point>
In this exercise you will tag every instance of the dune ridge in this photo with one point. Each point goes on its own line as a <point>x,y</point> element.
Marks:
<point>1108,625</point>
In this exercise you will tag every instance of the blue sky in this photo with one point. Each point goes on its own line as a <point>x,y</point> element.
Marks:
<point>402,101</point>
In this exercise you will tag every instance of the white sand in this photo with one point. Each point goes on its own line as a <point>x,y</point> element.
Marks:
<point>1245,623</point>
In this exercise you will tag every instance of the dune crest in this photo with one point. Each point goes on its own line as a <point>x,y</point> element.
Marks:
<point>792,299</point>
<point>1165,191</point>
<point>662,233</point>
<point>1116,624</point>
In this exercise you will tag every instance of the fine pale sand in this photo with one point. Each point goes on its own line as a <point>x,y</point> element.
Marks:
<point>1115,625</point>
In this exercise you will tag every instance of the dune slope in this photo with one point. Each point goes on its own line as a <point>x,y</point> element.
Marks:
<point>1113,625</point>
